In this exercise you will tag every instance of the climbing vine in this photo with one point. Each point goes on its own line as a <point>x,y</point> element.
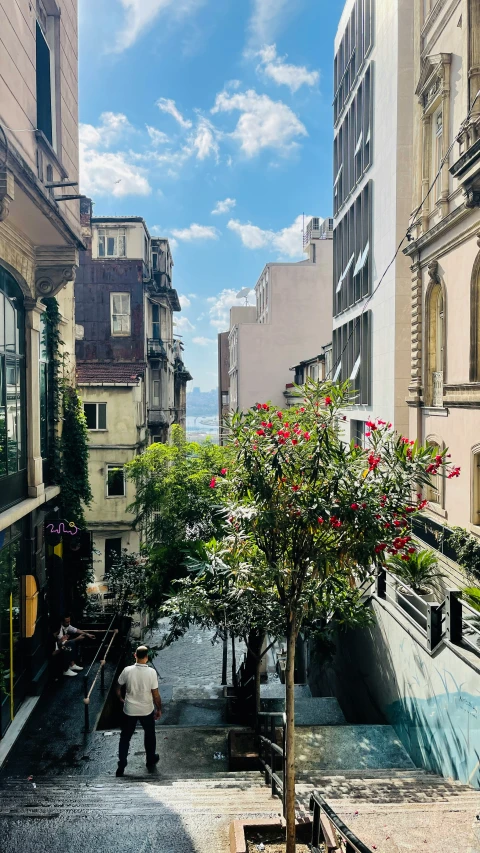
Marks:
<point>68,447</point>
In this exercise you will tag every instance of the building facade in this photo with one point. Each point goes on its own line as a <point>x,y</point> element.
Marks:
<point>130,369</point>
<point>39,244</point>
<point>292,315</point>
<point>373,115</point>
<point>223,383</point>
<point>444,391</point>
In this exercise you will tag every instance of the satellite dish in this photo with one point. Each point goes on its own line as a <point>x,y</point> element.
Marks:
<point>243,294</point>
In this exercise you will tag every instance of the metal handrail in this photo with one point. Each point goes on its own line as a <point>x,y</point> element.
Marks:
<point>320,807</point>
<point>277,783</point>
<point>100,671</point>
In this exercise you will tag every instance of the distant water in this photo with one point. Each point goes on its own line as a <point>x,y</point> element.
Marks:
<point>202,426</point>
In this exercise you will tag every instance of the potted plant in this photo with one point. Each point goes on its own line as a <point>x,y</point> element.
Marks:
<point>421,574</point>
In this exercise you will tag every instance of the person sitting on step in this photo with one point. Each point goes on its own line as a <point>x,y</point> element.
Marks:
<point>66,638</point>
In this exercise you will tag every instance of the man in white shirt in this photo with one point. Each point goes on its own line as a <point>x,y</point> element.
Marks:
<point>142,702</point>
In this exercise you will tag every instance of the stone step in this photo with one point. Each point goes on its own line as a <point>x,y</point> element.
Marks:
<point>276,690</point>
<point>325,749</point>
<point>310,711</point>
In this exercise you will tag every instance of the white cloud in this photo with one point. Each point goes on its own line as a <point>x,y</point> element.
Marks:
<point>196,232</point>
<point>183,324</point>
<point>284,73</point>
<point>158,137</point>
<point>220,307</point>
<point>263,123</point>
<point>105,172</point>
<point>204,141</point>
<point>140,14</point>
<point>288,242</point>
<point>166,105</point>
<point>204,342</point>
<point>224,206</point>
<point>267,17</point>
<point>112,127</point>
<point>185,302</point>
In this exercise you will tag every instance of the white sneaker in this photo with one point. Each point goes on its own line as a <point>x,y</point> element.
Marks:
<point>76,667</point>
<point>69,672</point>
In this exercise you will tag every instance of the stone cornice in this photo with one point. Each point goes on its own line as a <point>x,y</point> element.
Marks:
<point>55,267</point>
<point>444,224</point>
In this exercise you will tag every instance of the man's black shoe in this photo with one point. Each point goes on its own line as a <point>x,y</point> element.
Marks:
<point>151,764</point>
<point>120,770</point>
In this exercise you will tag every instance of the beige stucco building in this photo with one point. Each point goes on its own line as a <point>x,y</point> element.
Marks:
<point>292,316</point>
<point>39,243</point>
<point>444,391</point>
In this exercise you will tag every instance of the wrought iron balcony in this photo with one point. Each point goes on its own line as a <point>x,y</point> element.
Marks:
<point>156,348</point>
<point>437,389</point>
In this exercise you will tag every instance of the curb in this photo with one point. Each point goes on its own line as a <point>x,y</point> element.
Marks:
<point>238,843</point>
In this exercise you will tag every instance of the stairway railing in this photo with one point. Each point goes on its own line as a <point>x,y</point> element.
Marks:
<point>327,826</point>
<point>269,752</point>
<point>87,690</point>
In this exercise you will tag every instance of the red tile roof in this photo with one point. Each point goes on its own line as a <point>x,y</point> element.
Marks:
<point>109,372</point>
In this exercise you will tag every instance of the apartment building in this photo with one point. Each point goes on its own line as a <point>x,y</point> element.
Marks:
<point>444,390</point>
<point>39,243</point>
<point>130,368</point>
<point>373,117</point>
<point>292,315</point>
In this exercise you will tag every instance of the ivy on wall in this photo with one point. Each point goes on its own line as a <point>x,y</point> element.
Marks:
<point>68,448</point>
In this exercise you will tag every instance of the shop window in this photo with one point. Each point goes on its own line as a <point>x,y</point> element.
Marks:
<point>115,481</point>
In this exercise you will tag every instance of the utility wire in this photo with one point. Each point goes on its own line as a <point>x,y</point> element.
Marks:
<point>405,236</point>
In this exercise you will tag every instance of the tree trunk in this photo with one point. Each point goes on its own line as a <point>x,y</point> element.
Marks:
<point>289,793</point>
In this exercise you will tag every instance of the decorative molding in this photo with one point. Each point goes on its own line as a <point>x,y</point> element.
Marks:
<point>433,78</point>
<point>55,267</point>
<point>7,192</point>
<point>432,269</point>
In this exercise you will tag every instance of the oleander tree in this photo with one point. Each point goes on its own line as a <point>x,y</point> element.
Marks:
<point>174,506</point>
<point>322,511</point>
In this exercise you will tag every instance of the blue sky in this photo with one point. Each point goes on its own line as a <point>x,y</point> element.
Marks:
<point>212,119</point>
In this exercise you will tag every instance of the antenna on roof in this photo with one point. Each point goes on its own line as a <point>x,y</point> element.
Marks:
<point>243,294</point>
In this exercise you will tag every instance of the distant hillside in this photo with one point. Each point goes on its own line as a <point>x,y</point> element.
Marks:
<point>202,403</point>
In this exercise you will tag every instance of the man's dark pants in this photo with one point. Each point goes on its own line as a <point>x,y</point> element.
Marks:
<point>128,728</point>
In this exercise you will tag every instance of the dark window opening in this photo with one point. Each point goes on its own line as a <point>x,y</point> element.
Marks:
<point>95,415</point>
<point>113,552</point>
<point>115,481</point>
<point>44,86</point>
<point>13,458</point>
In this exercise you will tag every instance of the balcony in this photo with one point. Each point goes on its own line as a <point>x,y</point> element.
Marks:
<point>318,230</point>
<point>156,349</point>
<point>159,417</point>
<point>437,389</point>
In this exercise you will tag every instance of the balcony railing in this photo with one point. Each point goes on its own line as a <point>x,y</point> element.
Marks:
<point>319,230</point>
<point>437,389</point>
<point>156,348</point>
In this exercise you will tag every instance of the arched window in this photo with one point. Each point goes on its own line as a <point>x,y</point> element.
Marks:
<point>434,491</point>
<point>13,457</point>
<point>436,346</point>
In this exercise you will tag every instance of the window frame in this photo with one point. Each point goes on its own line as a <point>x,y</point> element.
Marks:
<point>115,465</point>
<point>119,237</point>
<point>121,334</point>
<point>96,428</point>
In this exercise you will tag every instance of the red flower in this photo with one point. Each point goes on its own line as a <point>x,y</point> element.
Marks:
<point>455,472</point>
<point>269,425</point>
<point>307,436</point>
<point>381,423</point>
<point>354,506</point>
<point>213,482</point>
<point>439,460</point>
<point>380,547</point>
<point>344,418</point>
<point>411,550</point>
<point>280,415</point>
<point>320,520</point>
<point>373,461</point>
<point>260,432</point>
<point>259,407</point>
<point>294,441</point>
<point>371,425</point>
<point>302,409</point>
<point>265,407</point>
<point>364,505</point>
<point>223,472</point>
<point>328,401</point>
<point>295,488</point>
<point>368,434</point>
<point>335,522</point>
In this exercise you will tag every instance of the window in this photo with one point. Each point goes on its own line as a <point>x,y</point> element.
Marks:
<point>115,481</point>
<point>44,85</point>
<point>434,489</point>
<point>438,150</point>
<point>357,432</point>
<point>156,388</point>
<point>352,355</point>
<point>435,346</point>
<point>155,260</point>
<point>156,331</point>
<point>156,439</point>
<point>112,243</point>
<point>95,415</point>
<point>352,242</point>
<point>113,552</point>
<point>352,52</point>
<point>13,460</point>
<point>120,313</point>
